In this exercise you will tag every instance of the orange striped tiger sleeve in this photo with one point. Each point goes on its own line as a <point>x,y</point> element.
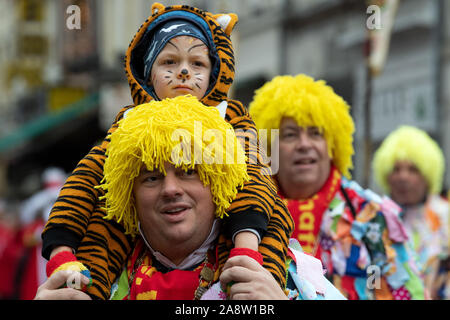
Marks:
<point>77,199</point>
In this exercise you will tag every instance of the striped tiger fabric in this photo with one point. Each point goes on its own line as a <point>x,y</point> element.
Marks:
<point>77,220</point>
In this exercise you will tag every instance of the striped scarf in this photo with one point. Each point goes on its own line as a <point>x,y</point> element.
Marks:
<point>308,213</point>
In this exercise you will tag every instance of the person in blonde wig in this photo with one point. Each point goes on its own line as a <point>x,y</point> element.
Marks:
<point>168,179</point>
<point>347,227</point>
<point>172,169</point>
<point>409,166</point>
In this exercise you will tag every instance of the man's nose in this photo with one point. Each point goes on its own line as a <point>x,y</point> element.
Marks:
<point>303,141</point>
<point>403,174</point>
<point>171,186</point>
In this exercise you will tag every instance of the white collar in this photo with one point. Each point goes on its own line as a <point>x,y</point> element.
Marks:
<point>195,257</point>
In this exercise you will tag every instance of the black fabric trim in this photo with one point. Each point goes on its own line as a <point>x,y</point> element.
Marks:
<point>58,237</point>
<point>349,203</point>
<point>245,220</point>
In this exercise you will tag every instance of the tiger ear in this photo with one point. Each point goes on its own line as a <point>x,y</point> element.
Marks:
<point>157,7</point>
<point>226,21</point>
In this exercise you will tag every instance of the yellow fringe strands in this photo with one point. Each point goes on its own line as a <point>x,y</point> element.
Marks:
<point>309,103</point>
<point>181,131</point>
<point>415,145</point>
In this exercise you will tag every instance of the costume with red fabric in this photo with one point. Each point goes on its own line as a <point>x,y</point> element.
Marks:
<point>149,280</point>
<point>349,229</point>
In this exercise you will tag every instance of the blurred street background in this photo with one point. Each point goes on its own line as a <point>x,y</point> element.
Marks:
<point>62,79</point>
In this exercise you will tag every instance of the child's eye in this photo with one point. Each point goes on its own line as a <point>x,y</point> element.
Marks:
<point>169,61</point>
<point>198,64</point>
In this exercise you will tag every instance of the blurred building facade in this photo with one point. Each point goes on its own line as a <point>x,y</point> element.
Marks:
<point>49,85</point>
<point>62,83</point>
<point>326,39</point>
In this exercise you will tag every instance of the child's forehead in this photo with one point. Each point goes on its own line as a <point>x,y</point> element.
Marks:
<point>185,42</point>
<point>186,39</point>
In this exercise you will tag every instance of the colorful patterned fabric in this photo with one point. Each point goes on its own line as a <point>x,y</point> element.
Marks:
<point>67,261</point>
<point>306,280</point>
<point>427,228</point>
<point>362,245</point>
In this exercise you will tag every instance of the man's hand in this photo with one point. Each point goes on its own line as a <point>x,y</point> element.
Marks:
<point>49,290</point>
<point>251,280</point>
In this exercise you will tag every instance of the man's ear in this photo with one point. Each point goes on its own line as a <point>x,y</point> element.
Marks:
<point>226,21</point>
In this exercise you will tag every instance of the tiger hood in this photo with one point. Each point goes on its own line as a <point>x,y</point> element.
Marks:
<point>218,28</point>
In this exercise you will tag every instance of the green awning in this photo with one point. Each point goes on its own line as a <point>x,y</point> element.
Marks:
<point>47,122</point>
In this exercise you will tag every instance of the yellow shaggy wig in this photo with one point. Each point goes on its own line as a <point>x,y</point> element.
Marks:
<point>173,130</point>
<point>309,103</point>
<point>415,145</point>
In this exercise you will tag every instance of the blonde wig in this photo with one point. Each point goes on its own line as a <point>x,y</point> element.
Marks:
<point>415,145</point>
<point>175,131</point>
<point>309,103</point>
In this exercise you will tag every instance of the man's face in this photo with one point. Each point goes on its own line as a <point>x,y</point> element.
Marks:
<point>304,163</point>
<point>182,67</point>
<point>175,211</point>
<point>408,185</point>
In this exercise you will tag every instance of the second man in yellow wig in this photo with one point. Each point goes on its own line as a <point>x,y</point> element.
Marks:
<point>354,232</point>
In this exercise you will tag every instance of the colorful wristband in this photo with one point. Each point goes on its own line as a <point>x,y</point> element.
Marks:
<point>67,261</point>
<point>247,252</point>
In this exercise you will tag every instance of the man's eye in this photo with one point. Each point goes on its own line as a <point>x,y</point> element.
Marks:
<point>190,172</point>
<point>151,178</point>
<point>315,132</point>
<point>288,135</point>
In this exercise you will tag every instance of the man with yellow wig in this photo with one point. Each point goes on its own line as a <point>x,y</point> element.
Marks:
<point>169,176</point>
<point>172,169</point>
<point>409,166</point>
<point>354,232</point>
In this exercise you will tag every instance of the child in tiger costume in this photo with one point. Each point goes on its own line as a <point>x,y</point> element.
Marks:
<point>166,59</point>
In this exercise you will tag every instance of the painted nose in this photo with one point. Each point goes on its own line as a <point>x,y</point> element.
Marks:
<point>184,74</point>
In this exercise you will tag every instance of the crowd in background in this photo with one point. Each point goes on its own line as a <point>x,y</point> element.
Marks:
<point>21,226</point>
